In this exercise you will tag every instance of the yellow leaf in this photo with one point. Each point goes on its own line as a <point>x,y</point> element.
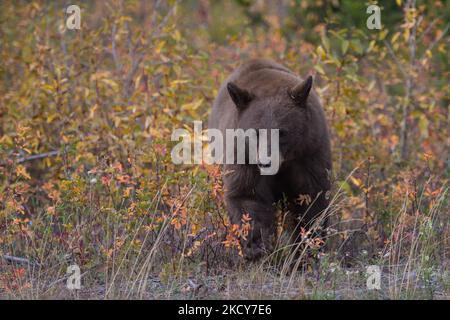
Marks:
<point>192,105</point>
<point>176,36</point>
<point>100,75</point>
<point>52,117</point>
<point>356,181</point>
<point>174,83</point>
<point>319,69</point>
<point>395,37</point>
<point>92,111</point>
<point>321,52</point>
<point>111,83</point>
<point>7,140</point>
<point>22,171</point>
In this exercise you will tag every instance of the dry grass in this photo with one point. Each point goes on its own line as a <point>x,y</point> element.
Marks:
<point>414,263</point>
<point>86,176</point>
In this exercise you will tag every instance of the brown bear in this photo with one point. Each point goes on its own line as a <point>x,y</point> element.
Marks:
<point>262,94</point>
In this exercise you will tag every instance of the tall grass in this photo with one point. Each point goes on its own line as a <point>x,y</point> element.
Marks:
<point>167,263</point>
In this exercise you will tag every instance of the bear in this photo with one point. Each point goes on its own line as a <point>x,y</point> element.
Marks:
<point>262,94</point>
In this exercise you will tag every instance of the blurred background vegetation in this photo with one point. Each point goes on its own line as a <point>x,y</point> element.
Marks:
<point>86,118</point>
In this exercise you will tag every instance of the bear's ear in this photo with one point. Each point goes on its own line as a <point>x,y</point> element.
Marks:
<point>301,91</point>
<point>240,97</point>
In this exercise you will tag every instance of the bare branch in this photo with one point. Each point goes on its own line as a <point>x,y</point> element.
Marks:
<point>399,64</point>
<point>18,260</point>
<point>113,47</point>
<point>435,42</point>
<point>136,61</point>
<point>39,156</point>
<point>429,28</point>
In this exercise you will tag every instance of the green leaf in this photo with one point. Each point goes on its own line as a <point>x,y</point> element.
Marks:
<point>344,46</point>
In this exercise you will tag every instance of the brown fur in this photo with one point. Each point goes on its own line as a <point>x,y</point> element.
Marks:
<point>258,97</point>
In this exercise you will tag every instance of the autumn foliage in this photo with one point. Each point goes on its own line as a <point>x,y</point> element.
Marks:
<point>86,118</point>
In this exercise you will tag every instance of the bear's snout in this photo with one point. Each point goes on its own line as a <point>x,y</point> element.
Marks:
<point>269,165</point>
<point>264,165</point>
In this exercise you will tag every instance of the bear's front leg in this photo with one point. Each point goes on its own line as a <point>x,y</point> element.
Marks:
<point>261,235</point>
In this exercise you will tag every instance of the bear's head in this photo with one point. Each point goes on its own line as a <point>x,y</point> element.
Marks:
<point>286,112</point>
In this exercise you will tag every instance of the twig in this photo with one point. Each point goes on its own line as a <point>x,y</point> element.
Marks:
<point>113,48</point>
<point>18,260</point>
<point>438,38</point>
<point>399,64</point>
<point>404,127</point>
<point>136,61</point>
<point>430,26</point>
<point>39,156</point>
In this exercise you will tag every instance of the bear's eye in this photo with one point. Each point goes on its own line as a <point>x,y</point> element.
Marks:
<point>282,133</point>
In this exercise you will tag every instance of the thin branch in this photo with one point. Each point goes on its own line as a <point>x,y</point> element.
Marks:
<point>39,156</point>
<point>404,127</point>
<point>430,26</point>
<point>399,64</point>
<point>137,61</point>
<point>438,38</point>
<point>113,47</point>
<point>18,260</point>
